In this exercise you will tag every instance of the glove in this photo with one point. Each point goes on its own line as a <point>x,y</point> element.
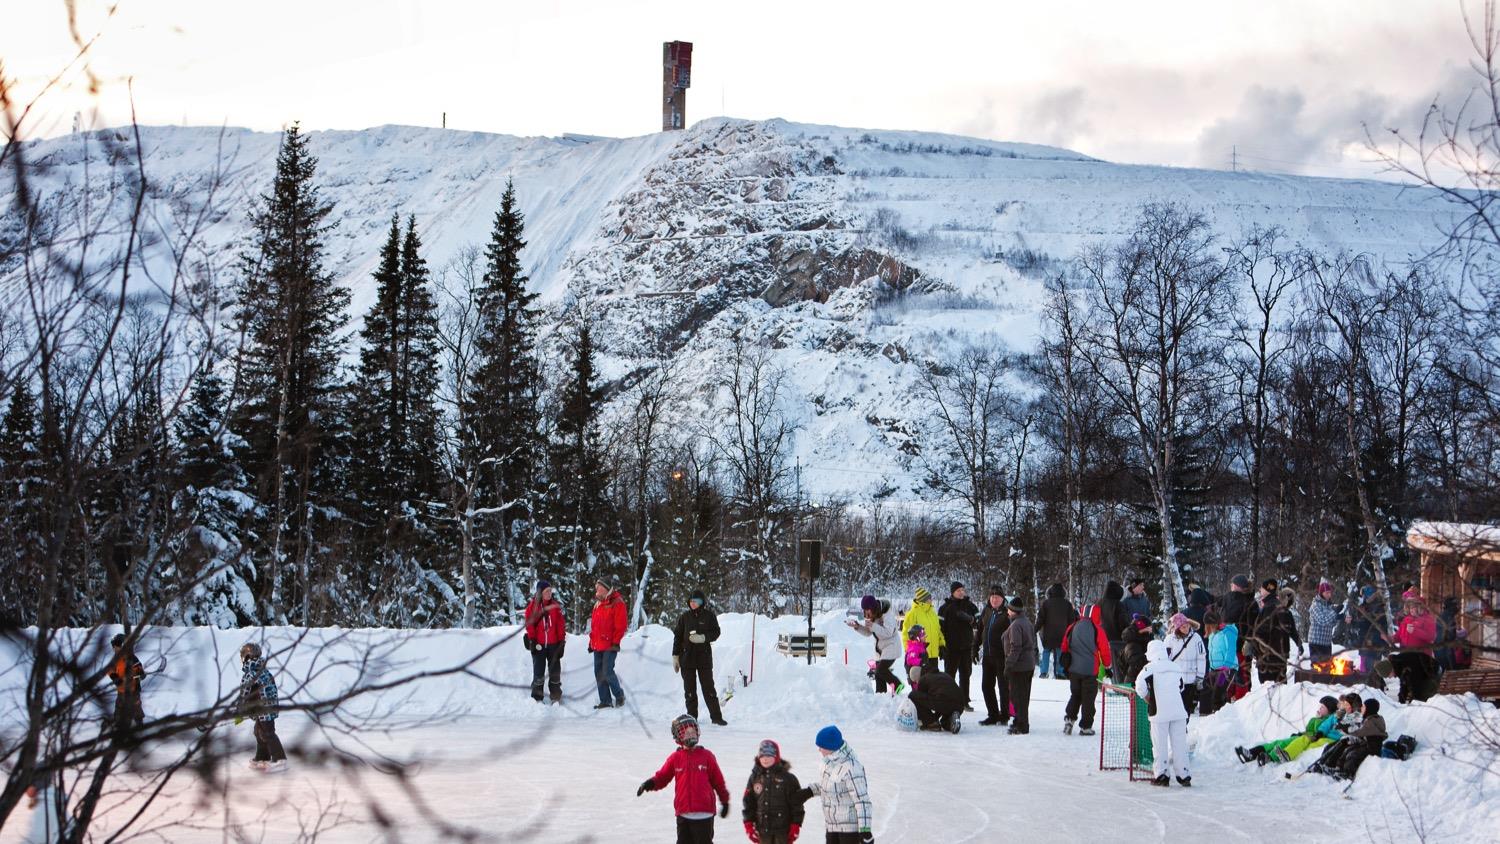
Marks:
<point>791,834</point>
<point>976,657</point>
<point>591,648</point>
<point>528,641</point>
<point>648,785</point>
<point>723,810</point>
<point>697,638</point>
<point>676,665</point>
<point>751,833</point>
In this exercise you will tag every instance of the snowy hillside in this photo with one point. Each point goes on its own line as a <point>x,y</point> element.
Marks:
<point>855,255</point>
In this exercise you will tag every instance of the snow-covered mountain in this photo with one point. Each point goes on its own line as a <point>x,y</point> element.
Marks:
<point>853,254</point>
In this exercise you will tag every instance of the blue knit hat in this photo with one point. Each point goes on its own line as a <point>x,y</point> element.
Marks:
<point>829,738</point>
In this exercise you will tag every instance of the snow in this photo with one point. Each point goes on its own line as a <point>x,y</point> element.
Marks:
<point>492,759</point>
<point>719,215</point>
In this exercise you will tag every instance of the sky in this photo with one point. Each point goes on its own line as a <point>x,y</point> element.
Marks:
<point>1277,85</point>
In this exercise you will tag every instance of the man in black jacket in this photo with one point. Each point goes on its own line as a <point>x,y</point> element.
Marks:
<point>1052,621</point>
<point>1113,618</point>
<point>939,701</point>
<point>956,616</point>
<point>693,655</point>
<point>990,652</point>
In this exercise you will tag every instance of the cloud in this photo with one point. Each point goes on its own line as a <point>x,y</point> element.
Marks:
<point>1057,117</point>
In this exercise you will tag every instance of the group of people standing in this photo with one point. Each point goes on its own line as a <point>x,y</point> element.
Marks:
<point>545,637</point>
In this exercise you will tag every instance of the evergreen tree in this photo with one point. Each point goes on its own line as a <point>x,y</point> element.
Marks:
<point>502,412</point>
<point>214,573</point>
<point>20,481</point>
<point>292,313</point>
<point>578,509</point>
<point>395,465</point>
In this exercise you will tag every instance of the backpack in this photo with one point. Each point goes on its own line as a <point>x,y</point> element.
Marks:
<point>1402,748</point>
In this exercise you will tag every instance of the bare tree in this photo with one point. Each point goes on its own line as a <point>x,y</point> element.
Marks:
<point>458,284</point>
<point>1157,304</point>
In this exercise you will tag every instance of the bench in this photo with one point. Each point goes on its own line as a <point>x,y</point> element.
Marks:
<point>1483,682</point>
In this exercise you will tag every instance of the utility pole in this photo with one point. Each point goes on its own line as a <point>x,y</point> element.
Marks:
<point>445,120</point>
<point>1234,159</point>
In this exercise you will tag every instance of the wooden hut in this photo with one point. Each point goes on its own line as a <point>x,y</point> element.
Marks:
<point>1462,561</point>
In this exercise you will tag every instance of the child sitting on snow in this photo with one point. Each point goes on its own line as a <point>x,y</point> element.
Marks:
<point>698,780</point>
<point>1321,729</point>
<point>773,803</point>
<point>916,652</point>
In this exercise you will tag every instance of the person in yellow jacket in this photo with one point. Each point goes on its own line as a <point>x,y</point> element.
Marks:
<point>922,613</point>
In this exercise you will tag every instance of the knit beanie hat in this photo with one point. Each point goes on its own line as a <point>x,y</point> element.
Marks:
<point>868,602</point>
<point>769,748</point>
<point>922,595</point>
<point>607,582</point>
<point>954,587</point>
<point>1178,620</point>
<point>1372,707</point>
<point>1241,581</point>
<point>542,586</point>
<point>829,738</point>
<point>1330,703</point>
<point>1014,605</point>
<point>996,590</point>
<point>1325,588</point>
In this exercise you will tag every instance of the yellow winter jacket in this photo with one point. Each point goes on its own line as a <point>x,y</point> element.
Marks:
<point>923,613</point>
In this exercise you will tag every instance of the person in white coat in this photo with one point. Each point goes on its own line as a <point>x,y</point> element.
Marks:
<point>882,624</point>
<point>844,791</point>
<point>1186,648</point>
<point>1160,684</point>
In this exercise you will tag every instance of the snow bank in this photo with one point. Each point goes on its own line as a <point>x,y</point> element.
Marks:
<point>1449,788</point>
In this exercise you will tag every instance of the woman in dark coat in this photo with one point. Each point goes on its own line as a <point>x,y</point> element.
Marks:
<point>1051,623</point>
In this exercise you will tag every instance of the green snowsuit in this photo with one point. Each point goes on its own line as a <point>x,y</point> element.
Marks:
<point>1320,730</point>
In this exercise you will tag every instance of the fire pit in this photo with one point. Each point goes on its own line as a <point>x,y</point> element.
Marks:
<point>1337,671</point>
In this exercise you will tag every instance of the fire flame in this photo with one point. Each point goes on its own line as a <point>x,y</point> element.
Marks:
<point>1340,667</point>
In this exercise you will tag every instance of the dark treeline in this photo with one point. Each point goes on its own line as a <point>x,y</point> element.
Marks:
<point>1201,404</point>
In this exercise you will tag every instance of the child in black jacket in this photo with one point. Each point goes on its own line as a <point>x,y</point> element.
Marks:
<point>1342,758</point>
<point>773,810</point>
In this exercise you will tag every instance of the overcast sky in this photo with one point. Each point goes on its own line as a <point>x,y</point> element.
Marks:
<point>1290,83</point>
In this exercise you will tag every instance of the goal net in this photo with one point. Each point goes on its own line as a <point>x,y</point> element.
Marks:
<point>1124,732</point>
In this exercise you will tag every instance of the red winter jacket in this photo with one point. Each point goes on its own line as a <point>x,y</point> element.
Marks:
<point>607,623</point>
<point>698,780</point>
<point>1102,656</point>
<point>544,622</point>
<point>1417,631</point>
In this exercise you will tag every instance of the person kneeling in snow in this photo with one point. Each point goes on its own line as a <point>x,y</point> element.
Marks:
<point>258,701</point>
<point>1160,684</point>
<point>845,793</point>
<point>698,781</point>
<point>1342,758</point>
<point>939,701</point>
<point>773,806</point>
<point>1321,729</point>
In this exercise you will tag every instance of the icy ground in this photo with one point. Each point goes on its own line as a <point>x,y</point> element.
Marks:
<point>499,764</point>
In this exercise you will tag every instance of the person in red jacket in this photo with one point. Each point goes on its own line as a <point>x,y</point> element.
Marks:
<point>1418,627</point>
<point>606,630</point>
<point>699,780</point>
<point>545,638</point>
<point>1085,654</point>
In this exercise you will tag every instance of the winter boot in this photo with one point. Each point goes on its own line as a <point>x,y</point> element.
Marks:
<point>277,767</point>
<point>1164,781</point>
<point>257,765</point>
<point>718,721</point>
<point>954,725</point>
<point>620,703</point>
<point>1067,726</point>
<point>1086,731</point>
<point>604,706</point>
<point>1185,782</point>
<point>989,722</point>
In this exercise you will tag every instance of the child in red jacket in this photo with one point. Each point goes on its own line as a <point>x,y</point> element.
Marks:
<point>698,781</point>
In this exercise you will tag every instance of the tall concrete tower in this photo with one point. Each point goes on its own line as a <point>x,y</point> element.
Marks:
<point>676,69</point>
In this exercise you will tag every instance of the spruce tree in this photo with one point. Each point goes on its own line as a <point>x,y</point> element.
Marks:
<point>578,506</point>
<point>396,470</point>
<point>292,313</point>
<point>20,483</point>
<point>215,574</point>
<point>501,409</point>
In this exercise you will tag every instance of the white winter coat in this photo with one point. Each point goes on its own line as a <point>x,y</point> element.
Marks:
<point>1190,655</point>
<point>845,793</point>
<point>1167,678</point>
<point>887,632</point>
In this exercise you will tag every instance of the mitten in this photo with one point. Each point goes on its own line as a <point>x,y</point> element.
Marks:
<point>791,834</point>
<point>697,638</point>
<point>676,665</point>
<point>751,833</point>
<point>723,810</point>
<point>648,785</point>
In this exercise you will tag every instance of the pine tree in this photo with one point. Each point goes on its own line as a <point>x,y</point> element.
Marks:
<point>501,409</point>
<point>20,470</point>
<point>292,313</point>
<point>215,573</point>
<point>577,468</point>
<point>396,469</point>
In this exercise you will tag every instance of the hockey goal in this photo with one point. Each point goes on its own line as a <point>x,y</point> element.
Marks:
<point>1124,732</point>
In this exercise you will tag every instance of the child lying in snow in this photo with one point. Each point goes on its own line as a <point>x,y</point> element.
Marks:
<point>1321,729</point>
<point>1341,760</point>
